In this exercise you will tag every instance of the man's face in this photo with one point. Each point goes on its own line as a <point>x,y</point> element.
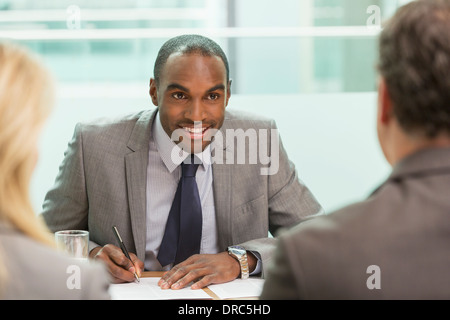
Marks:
<point>192,89</point>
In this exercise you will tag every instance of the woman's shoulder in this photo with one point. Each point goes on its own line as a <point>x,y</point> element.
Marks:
<point>35,271</point>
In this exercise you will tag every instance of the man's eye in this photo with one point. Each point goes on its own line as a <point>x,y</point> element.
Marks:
<point>179,95</point>
<point>213,96</point>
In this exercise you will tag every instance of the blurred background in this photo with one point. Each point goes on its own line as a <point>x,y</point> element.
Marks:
<point>309,64</point>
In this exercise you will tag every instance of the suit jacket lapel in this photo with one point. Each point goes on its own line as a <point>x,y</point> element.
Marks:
<point>136,176</point>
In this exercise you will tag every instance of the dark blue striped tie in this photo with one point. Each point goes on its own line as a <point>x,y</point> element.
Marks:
<point>184,225</point>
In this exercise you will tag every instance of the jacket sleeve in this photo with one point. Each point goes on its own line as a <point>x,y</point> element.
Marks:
<point>289,202</point>
<point>66,203</point>
<point>280,283</point>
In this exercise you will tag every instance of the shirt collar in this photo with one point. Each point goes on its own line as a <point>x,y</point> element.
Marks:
<point>171,154</point>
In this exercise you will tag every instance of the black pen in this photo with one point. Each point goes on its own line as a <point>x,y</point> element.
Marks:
<point>124,249</point>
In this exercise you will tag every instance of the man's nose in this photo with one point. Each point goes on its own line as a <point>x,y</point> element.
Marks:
<point>196,110</point>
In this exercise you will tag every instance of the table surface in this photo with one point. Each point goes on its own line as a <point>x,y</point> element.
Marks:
<point>207,290</point>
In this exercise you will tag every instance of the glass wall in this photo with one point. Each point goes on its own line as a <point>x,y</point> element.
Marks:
<point>278,47</point>
<point>308,64</point>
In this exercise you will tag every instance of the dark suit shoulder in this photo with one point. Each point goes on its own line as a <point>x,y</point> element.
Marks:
<point>348,222</point>
<point>342,230</point>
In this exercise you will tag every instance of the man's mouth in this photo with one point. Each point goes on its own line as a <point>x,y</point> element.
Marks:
<point>196,132</point>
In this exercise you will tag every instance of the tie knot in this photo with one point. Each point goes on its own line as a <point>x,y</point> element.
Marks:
<point>190,169</point>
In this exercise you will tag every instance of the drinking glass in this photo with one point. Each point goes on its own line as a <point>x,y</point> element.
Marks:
<point>73,242</point>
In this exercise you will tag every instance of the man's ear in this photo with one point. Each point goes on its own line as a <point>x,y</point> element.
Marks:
<point>153,91</point>
<point>228,92</point>
<point>384,102</point>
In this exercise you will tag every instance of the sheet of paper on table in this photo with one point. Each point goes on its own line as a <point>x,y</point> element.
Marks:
<point>251,287</point>
<point>148,289</point>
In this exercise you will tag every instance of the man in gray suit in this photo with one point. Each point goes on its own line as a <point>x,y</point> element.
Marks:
<point>125,173</point>
<point>395,244</point>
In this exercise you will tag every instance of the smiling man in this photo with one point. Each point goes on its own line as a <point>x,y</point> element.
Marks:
<point>205,221</point>
<point>195,89</point>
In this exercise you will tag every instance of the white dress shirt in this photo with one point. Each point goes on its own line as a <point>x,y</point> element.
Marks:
<point>161,189</point>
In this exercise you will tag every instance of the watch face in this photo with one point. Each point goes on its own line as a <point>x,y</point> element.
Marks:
<point>236,250</point>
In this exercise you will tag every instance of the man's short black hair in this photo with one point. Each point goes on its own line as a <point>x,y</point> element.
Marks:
<point>188,44</point>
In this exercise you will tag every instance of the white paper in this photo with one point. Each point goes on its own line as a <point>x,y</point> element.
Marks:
<point>251,287</point>
<point>148,289</point>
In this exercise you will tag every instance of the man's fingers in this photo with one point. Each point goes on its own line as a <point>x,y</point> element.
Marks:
<point>183,274</point>
<point>203,282</point>
<point>119,266</point>
<point>203,270</point>
<point>138,264</point>
<point>120,275</point>
<point>117,256</point>
<point>175,274</point>
<point>188,277</point>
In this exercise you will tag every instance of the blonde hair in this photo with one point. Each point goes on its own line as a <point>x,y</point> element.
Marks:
<point>26,99</point>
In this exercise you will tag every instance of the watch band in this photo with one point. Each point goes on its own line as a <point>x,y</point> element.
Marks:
<point>240,254</point>
<point>243,261</point>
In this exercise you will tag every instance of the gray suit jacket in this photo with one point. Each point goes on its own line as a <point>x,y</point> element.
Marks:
<point>35,271</point>
<point>394,245</point>
<point>102,182</point>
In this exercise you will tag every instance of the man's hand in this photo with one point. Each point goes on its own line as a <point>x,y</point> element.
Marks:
<point>203,269</point>
<point>119,266</point>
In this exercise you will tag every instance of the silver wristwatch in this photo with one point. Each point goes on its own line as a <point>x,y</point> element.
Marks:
<point>240,254</point>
